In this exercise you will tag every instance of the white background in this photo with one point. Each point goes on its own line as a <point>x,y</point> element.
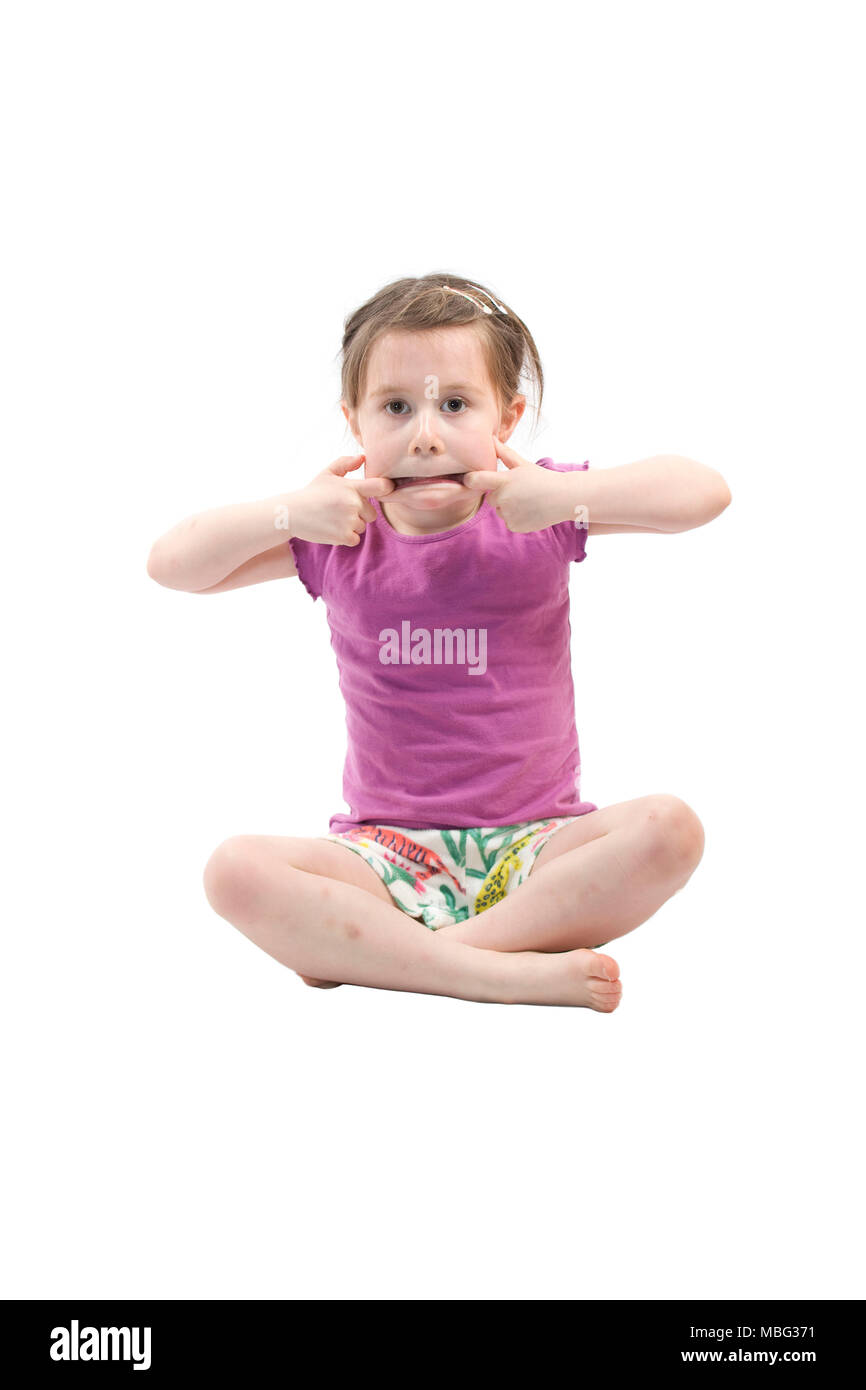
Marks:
<point>196,195</point>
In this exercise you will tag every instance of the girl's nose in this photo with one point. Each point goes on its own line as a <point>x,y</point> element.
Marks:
<point>426,428</point>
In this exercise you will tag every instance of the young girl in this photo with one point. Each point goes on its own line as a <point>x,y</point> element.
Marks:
<point>448,607</point>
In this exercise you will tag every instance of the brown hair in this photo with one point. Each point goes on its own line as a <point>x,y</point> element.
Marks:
<point>419,304</point>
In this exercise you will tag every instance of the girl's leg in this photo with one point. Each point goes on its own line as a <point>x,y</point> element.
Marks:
<point>320,856</point>
<point>594,880</point>
<point>333,930</point>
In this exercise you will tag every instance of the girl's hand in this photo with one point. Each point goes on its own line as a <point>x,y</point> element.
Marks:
<point>526,497</point>
<point>333,509</point>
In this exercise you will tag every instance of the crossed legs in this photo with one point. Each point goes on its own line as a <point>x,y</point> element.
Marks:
<point>319,909</point>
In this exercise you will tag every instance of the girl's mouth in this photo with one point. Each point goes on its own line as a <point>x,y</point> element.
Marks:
<point>440,478</point>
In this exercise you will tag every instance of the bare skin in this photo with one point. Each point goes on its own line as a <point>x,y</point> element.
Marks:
<point>319,909</point>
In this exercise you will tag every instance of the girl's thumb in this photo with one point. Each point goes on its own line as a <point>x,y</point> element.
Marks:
<point>345,464</point>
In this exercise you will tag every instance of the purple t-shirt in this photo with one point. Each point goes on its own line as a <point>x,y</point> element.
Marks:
<point>454,660</point>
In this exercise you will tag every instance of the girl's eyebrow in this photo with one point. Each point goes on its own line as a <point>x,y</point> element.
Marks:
<point>403,390</point>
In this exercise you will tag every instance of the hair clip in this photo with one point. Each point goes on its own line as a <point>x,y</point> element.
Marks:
<point>477,302</point>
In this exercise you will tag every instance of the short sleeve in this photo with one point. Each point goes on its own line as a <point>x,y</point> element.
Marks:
<point>311,559</point>
<point>571,538</point>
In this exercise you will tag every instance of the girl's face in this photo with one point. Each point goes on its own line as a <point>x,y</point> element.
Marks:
<point>428,415</point>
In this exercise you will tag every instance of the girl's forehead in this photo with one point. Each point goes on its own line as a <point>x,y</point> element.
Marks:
<point>402,359</point>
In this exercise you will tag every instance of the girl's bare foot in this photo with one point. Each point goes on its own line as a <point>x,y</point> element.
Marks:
<point>583,978</point>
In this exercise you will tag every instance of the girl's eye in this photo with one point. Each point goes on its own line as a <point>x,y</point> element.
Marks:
<point>450,400</point>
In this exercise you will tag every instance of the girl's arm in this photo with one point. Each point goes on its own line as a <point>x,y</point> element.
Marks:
<point>225,548</point>
<point>278,563</point>
<point>663,493</point>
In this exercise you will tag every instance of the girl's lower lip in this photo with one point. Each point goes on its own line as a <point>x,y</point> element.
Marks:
<point>452,478</point>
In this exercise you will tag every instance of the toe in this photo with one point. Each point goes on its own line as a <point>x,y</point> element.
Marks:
<point>604,967</point>
<point>607,1002</point>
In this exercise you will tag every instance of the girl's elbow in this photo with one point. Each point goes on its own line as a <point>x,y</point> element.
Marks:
<point>160,567</point>
<point>703,510</point>
<point>721,499</point>
<point>156,564</point>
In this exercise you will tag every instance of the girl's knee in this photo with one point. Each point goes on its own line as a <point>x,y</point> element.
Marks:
<point>232,877</point>
<point>674,833</point>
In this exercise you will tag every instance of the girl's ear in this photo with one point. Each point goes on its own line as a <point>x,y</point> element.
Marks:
<point>351,421</point>
<point>511,417</point>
